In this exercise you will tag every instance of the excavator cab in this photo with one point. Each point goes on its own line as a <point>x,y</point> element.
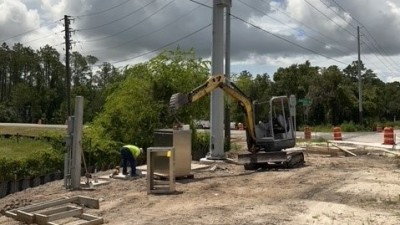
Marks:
<point>275,129</point>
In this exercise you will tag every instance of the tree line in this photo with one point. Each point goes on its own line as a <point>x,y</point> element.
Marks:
<point>327,95</point>
<point>33,87</point>
<point>33,84</point>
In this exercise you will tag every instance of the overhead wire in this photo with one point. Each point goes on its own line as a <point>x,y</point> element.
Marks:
<point>371,50</point>
<point>380,50</point>
<point>275,35</point>
<point>103,11</point>
<point>377,47</point>
<point>311,37</point>
<point>330,8</point>
<point>116,20</point>
<point>287,40</point>
<point>164,26</point>
<point>130,27</point>
<point>29,31</point>
<point>166,45</point>
<point>345,11</point>
<point>340,26</point>
<point>314,30</point>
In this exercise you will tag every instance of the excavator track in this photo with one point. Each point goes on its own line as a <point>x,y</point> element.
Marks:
<point>295,159</point>
<point>272,160</point>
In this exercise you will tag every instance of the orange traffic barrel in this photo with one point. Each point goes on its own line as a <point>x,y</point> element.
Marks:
<point>307,133</point>
<point>378,128</point>
<point>240,125</point>
<point>337,134</point>
<point>388,136</point>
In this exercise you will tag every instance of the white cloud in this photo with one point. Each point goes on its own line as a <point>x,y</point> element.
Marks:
<point>395,10</point>
<point>15,16</point>
<point>251,48</point>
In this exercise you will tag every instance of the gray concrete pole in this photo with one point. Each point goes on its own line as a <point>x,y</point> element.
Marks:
<point>360,108</point>
<point>77,144</point>
<point>228,73</point>
<point>217,96</point>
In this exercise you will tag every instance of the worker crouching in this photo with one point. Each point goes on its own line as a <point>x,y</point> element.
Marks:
<point>129,153</point>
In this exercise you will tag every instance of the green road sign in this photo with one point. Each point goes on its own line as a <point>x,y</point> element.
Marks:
<point>305,101</point>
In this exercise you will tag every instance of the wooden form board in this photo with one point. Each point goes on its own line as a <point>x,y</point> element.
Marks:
<point>56,209</point>
<point>343,148</point>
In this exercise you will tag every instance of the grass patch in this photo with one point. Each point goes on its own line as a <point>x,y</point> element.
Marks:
<point>313,140</point>
<point>23,148</point>
<point>32,130</point>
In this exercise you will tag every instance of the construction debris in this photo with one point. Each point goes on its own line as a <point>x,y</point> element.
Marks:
<point>343,148</point>
<point>217,167</point>
<point>50,211</point>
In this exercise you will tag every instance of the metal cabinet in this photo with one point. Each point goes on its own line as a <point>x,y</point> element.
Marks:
<point>181,140</point>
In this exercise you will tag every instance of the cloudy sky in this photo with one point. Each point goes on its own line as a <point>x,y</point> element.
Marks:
<point>266,34</point>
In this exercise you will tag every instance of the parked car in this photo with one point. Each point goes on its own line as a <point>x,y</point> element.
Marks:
<point>205,124</point>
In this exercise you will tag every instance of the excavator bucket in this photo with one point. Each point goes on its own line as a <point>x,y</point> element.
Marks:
<point>177,100</point>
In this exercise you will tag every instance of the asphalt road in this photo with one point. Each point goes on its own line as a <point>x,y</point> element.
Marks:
<point>372,138</point>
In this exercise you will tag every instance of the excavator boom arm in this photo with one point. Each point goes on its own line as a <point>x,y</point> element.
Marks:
<point>214,82</point>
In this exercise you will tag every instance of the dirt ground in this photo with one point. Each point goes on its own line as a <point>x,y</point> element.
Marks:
<point>327,190</point>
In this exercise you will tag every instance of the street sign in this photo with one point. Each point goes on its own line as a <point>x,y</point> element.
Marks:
<point>305,101</point>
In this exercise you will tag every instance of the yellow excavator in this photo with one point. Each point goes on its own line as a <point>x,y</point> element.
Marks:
<point>269,140</point>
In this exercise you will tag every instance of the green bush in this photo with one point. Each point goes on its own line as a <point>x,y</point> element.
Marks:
<point>349,127</point>
<point>200,144</point>
<point>56,140</point>
<point>41,163</point>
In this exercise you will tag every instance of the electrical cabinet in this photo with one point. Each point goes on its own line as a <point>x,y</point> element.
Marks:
<point>181,141</point>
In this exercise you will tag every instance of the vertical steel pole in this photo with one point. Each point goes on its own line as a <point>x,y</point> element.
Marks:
<point>360,108</point>
<point>228,74</point>
<point>77,144</point>
<point>217,96</point>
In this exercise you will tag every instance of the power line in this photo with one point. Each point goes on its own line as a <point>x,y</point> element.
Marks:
<point>366,44</point>
<point>345,11</point>
<point>314,30</point>
<point>330,18</point>
<point>311,37</point>
<point>147,34</point>
<point>37,39</point>
<point>275,35</point>
<point>353,27</point>
<point>116,20</point>
<point>29,31</point>
<point>103,11</point>
<point>284,39</point>
<point>130,27</point>
<point>201,4</point>
<point>330,8</point>
<point>166,45</point>
<point>377,47</point>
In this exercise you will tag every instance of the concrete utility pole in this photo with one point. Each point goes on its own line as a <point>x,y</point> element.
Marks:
<point>360,109</point>
<point>217,68</point>
<point>67,30</point>
<point>77,144</point>
<point>228,73</point>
